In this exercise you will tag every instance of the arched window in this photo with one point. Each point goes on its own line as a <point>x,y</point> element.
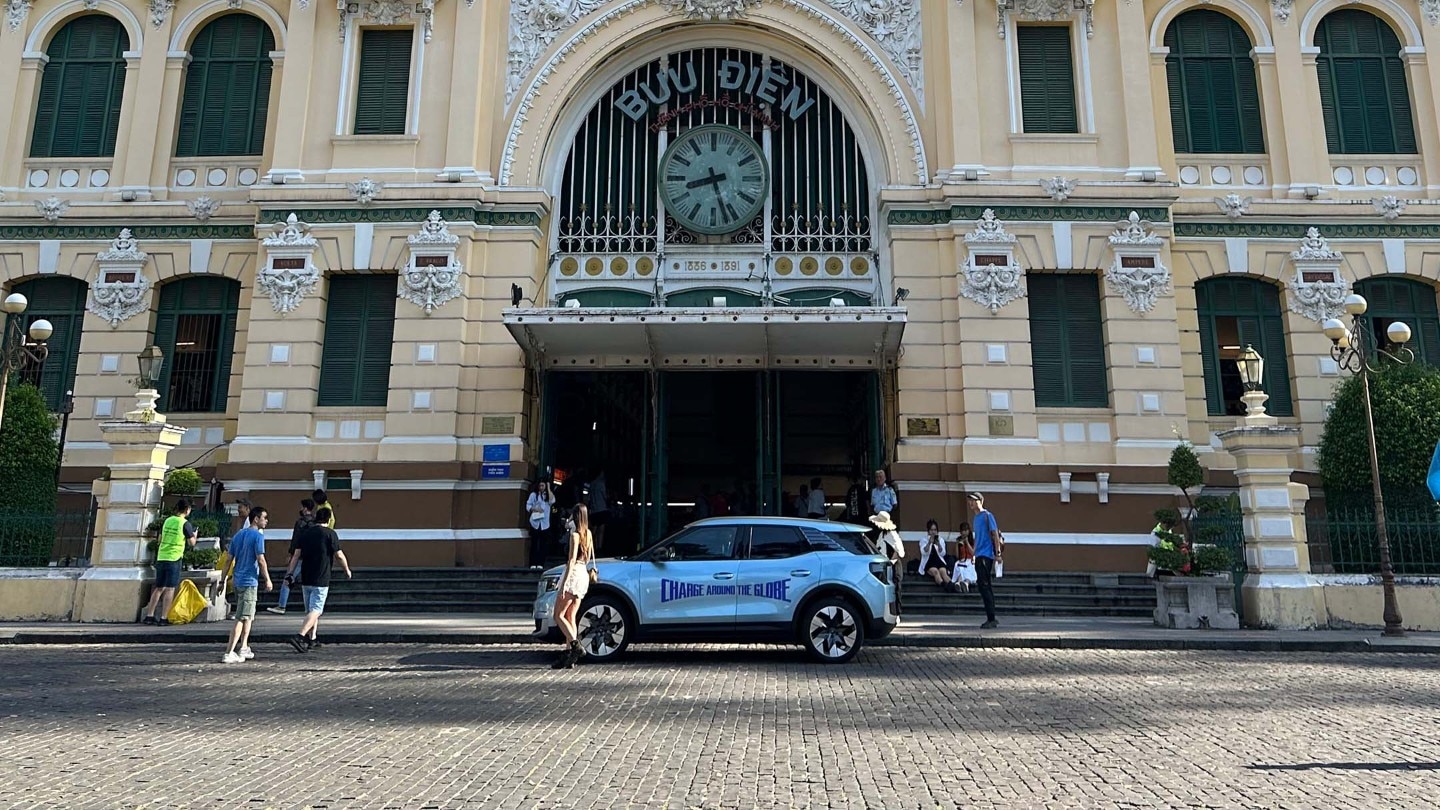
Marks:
<point>195,327</point>
<point>1363,92</point>
<point>1235,313</point>
<point>1214,103</point>
<point>227,88</point>
<point>1408,300</point>
<point>80,90</point>
<point>61,301</point>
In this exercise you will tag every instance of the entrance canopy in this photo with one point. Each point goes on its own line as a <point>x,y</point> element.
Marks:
<point>815,338</point>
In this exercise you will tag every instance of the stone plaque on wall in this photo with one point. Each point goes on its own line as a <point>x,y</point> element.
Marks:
<point>1002,425</point>
<point>497,425</point>
<point>922,426</point>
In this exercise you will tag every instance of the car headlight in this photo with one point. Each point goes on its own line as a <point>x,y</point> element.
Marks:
<point>549,583</point>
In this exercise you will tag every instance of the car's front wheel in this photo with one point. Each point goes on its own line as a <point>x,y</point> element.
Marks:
<point>831,630</point>
<point>605,628</point>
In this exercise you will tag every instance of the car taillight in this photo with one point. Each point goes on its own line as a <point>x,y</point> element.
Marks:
<point>881,571</point>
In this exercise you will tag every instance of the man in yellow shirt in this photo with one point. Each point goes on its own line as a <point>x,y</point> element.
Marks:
<point>176,535</point>
<point>322,501</point>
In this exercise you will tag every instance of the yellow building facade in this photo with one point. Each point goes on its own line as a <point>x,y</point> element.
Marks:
<point>421,254</point>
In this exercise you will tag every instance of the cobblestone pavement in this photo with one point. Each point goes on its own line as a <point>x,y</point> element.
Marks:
<point>716,727</point>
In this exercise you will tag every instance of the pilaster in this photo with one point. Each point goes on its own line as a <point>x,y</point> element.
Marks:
<point>294,93</point>
<point>1133,34</point>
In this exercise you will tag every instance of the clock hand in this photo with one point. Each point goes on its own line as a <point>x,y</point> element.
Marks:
<point>711,180</point>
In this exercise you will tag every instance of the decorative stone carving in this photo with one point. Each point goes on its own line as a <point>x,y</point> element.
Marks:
<point>710,9</point>
<point>120,290</point>
<point>390,12</point>
<point>290,273</point>
<point>1059,188</point>
<point>160,11</point>
<point>534,25</point>
<point>1317,291</point>
<point>202,208</point>
<point>1137,274</point>
<point>1233,205</point>
<point>15,13</point>
<point>1282,9</point>
<point>1046,11</point>
<point>90,5</point>
<point>365,191</point>
<point>990,276</point>
<point>1431,10</point>
<point>52,208</point>
<point>1389,206</point>
<point>432,276</point>
<point>895,24</point>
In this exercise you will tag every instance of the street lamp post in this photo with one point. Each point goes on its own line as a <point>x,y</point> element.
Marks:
<point>15,349</point>
<point>1351,348</point>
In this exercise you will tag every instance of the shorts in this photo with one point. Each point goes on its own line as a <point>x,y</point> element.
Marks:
<point>167,574</point>
<point>315,597</point>
<point>245,599</point>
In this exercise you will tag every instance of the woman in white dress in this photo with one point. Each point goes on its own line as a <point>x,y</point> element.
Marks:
<point>573,587</point>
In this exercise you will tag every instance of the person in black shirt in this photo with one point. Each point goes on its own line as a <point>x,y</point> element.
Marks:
<point>317,549</point>
<point>307,518</point>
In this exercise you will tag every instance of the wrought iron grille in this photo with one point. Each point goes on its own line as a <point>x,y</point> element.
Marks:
<point>197,358</point>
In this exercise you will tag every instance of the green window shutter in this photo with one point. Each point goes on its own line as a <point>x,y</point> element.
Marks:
<point>359,332</point>
<point>1047,78</point>
<point>1408,300</point>
<point>227,88</point>
<point>1254,305</point>
<point>383,89</point>
<point>1364,92</point>
<point>206,369</point>
<point>1277,359</point>
<point>1067,341</point>
<point>61,301</point>
<point>166,323</point>
<point>1214,99</point>
<point>1210,358</point>
<point>81,89</point>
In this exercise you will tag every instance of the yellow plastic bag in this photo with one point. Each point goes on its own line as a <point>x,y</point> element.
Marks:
<point>188,603</point>
<point>226,564</point>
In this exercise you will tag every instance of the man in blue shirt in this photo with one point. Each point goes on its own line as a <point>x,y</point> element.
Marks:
<point>882,497</point>
<point>989,547</point>
<point>247,549</point>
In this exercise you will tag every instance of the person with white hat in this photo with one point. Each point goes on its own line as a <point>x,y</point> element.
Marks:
<point>890,545</point>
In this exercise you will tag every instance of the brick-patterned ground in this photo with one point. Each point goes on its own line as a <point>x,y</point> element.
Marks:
<point>492,727</point>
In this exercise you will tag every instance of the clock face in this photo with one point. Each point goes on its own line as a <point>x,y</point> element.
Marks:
<point>713,179</point>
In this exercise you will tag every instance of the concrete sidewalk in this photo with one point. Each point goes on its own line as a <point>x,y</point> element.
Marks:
<point>930,631</point>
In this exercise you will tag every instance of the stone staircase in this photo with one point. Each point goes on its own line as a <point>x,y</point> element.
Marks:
<point>512,590</point>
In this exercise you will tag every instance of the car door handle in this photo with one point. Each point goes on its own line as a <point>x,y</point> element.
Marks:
<point>799,572</point>
<point>724,576</point>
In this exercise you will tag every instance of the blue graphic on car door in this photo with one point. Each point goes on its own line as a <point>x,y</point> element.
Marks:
<point>779,570</point>
<point>691,578</point>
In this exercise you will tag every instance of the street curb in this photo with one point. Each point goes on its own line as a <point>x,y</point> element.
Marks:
<point>1193,644</point>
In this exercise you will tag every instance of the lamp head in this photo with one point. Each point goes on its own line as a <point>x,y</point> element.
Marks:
<point>1334,329</point>
<point>152,363</point>
<point>515,295</point>
<point>41,330</point>
<point>901,294</point>
<point>15,303</point>
<point>1252,368</point>
<point>1398,332</point>
<point>1355,304</point>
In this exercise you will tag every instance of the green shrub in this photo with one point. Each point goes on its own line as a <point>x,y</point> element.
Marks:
<point>202,557</point>
<point>28,455</point>
<point>207,527</point>
<point>1184,470</point>
<point>1406,403</point>
<point>182,481</point>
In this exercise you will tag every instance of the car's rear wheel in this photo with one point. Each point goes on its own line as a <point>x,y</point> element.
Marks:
<point>831,630</point>
<point>605,628</point>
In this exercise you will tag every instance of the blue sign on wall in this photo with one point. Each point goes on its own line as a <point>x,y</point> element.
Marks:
<point>494,470</point>
<point>495,452</point>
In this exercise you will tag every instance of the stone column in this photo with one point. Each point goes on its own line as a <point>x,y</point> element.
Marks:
<point>113,590</point>
<point>1279,592</point>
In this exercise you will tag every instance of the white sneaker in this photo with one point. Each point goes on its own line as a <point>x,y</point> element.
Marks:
<point>232,658</point>
<point>246,654</point>
<point>279,610</point>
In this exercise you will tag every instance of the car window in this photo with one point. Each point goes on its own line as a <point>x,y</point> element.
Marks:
<point>705,543</point>
<point>776,542</point>
<point>855,542</point>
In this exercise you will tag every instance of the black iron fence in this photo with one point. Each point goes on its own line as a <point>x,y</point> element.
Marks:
<point>29,540</point>
<point>1343,541</point>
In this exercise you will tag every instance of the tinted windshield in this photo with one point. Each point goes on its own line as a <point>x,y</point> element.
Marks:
<point>851,540</point>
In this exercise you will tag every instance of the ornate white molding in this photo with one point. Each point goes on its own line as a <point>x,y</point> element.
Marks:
<point>52,208</point>
<point>989,231</point>
<point>290,273</point>
<point>432,276</point>
<point>895,25</point>
<point>389,12</point>
<point>1390,206</point>
<point>710,9</point>
<point>990,276</point>
<point>1059,188</point>
<point>1317,291</point>
<point>536,24</point>
<point>365,190</point>
<point>1045,11</point>
<point>15,13</point>
<point>1315,248</point>
<point>120,290</point>
<point>202,208</point>
<point>1137,274</point>
<point>1431,10</point>
<point>1283,9</point>
<point>160,11</point>
<point>1233,205</point>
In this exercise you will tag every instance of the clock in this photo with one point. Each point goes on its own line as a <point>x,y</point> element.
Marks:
<point>713,179</point>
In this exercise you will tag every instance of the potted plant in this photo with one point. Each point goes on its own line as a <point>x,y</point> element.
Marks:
<point>1193,588</point>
